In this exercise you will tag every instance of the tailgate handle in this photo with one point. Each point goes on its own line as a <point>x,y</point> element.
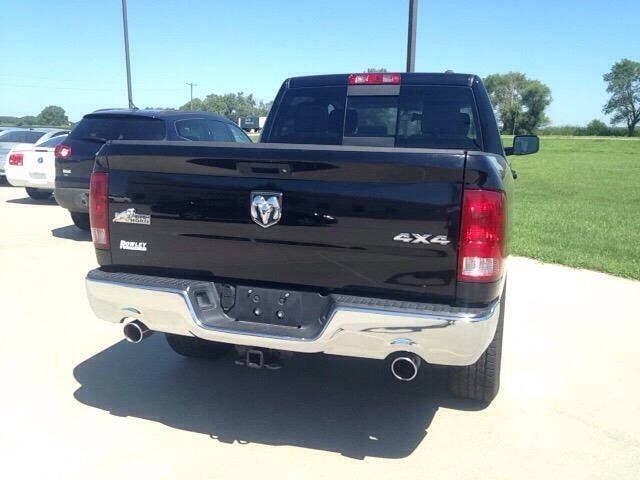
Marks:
<point>265,168</point>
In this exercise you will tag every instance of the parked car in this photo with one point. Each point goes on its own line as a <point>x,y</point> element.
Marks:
<point>372,221</point>
<point>33,167</point>
<point>75,157</point>
<point>16,136</point>
<point>251,124</point>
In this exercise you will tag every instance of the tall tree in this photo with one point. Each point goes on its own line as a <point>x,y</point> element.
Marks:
<point>536,97</point>
<point>520,102</point>
<point>598,128</point>
<point>53,115</point>
<point>624,86</point>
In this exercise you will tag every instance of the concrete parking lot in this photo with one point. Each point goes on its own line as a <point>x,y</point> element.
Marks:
<point>78,402</point>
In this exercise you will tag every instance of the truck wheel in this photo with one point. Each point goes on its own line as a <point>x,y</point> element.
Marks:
<point>481,381</point>
<point>197,348</point>
<point>81,220</point>
<point>39,194</point>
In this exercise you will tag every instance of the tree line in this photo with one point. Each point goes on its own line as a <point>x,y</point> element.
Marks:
<point>520,104</point>
<point>52,115</point>
<point>230,105</point>
<point>595,128</point>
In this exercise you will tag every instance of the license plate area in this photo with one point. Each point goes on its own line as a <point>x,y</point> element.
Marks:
<point>260,310</point>
<point>275,306</point>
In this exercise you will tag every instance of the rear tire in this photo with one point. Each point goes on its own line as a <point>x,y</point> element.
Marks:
<point>194,347</point>
<point>480,382</point>
<point>38,194</point>
<point>81,220</point>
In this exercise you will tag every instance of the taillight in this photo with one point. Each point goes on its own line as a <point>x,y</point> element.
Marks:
<point>99,209</point>
<point>482,236</point>
<point>62,151</point>
<point>16,159</point>
<point>374,79</point>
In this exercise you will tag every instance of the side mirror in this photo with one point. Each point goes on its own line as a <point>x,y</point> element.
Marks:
<point>523,145</point>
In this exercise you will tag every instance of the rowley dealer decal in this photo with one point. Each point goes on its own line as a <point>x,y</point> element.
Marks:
<point>138,246</point>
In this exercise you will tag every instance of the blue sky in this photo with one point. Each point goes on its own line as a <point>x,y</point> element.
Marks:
<point>70,53</point>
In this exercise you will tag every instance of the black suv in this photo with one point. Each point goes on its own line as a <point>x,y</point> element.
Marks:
<point>74,158</point>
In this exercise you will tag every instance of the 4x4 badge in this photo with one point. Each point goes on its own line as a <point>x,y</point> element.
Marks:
<point>422,238</point>
<point>266,208</point>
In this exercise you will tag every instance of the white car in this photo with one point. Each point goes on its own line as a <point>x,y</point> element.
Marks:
<point>15,136</point>
<point>34,167</point>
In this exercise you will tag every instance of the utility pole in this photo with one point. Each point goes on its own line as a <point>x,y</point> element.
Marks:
<point>126,51</point>
<point>191,101</point>
<point>411,35</point>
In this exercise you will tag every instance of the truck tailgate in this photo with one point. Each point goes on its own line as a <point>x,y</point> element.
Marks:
<point>343,213</point>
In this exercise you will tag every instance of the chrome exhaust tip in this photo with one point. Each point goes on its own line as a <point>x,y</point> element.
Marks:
<point>405,367</point>
<point>136,331</point>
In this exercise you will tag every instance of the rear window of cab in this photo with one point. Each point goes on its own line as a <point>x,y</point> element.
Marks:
<point>434,116</point>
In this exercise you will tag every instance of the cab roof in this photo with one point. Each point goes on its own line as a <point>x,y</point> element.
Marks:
<point>156,113</point>
<point>448,78</point>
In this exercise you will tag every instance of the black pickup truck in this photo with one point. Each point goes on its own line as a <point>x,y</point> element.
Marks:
<point>371,221</point>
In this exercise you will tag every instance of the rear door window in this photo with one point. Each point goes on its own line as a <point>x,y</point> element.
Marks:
<point>310,115</point>
<point>238,134</point>
<point>119,128</point>
<point>206,130</point>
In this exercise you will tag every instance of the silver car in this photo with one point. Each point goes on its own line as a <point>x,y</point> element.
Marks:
<point>15,136</point>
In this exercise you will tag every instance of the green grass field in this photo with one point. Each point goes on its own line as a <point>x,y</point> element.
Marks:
<point>578,203</point>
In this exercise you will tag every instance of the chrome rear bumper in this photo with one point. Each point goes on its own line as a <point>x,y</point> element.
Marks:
<point>368,328</point>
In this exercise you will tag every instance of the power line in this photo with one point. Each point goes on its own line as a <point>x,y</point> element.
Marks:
<point>77,79</point>
<point>83,89</point>
<point>49,87</point>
